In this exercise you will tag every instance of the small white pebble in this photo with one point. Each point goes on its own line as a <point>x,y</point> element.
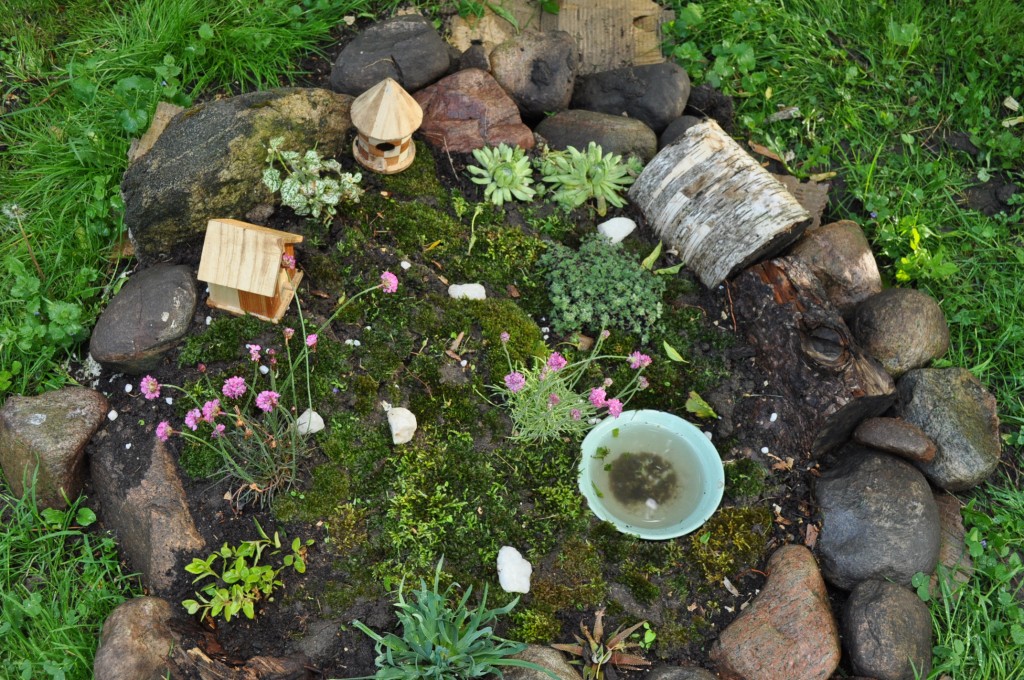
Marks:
<point>169,400</point>
<point>707,434</point>
<point>264,370</point>
<point>463,363</point>
<point>545,330</point>
<point>545,336</point>
<point>766,383</point>
<point>764,449</point>
<point>368,328</point>
<point>651,503</point>
<point>349,341</point>
<point>128,387</point>
<point>209,320</point>
<point>593,421</point>
<point>356,343</point>
<point>773,418</point>
<point>112,415</point>
<point>128,445</point>
<point>404,265</point>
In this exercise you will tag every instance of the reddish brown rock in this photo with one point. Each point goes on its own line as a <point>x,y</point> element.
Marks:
<point>896,436</point>
<point>469,110</point>
<point>954,560</point>
<point>788,631</point>
<point>840,256</point>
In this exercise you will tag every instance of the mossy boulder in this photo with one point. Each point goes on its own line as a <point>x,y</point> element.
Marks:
<point>209,163</point>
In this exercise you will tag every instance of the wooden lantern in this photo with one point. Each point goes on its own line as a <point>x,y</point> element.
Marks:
<point>244,264</point>
<point>385,116</point>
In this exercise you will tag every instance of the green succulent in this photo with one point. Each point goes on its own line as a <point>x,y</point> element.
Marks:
<point>577,176</point>
<point>506,173</point>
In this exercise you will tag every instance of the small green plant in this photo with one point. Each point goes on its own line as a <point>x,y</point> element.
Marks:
<point>596,653</point>
<point>243,579</point>
<point>506,173</point>
<point>578,176</point>
<point>443,641</point>
<point>544,402</point>
<point>303,189</point>
<point>599,286</point>
<point>645,637</point>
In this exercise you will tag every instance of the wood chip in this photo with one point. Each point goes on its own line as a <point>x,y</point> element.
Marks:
<point>513,292</point>
<point>457,341</point>
<point>316,292</point>
<point>453,355</point>
<point>810,535</point>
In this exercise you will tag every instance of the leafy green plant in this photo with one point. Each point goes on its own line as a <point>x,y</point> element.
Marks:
<point>302,188</point>
<point>544,402</point>
<point>505,173</point>
<point>597,654</point>
<point>441,640</point>
<point>578,176</point>
<point>242,579</point>
<point>599,286</point>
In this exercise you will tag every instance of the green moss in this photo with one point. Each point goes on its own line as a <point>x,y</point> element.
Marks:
<point>639,584</point>
<point>365,389</point>
<point>575,582</point>
<point>534,626</point>
<point>198,461</point>
<point>223,340</point>
<point>733,539</point>
<point>419,181</point>
<point>744,478</point>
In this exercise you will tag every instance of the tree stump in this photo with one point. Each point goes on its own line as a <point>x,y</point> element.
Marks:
<point>819,381</point>
<point>710,200</point>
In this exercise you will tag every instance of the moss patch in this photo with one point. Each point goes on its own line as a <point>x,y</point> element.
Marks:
<point>733,539</point>
<point>744,478</point>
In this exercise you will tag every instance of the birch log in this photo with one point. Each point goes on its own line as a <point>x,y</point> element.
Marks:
<point>821,383</point>
<point>710,200</point>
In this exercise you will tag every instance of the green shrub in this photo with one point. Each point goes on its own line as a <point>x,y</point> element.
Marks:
<point>600,286</point>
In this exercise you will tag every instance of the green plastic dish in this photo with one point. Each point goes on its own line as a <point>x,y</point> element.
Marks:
<point>651,453</point>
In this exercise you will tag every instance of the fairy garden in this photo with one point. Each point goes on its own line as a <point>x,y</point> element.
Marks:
<point>341,418</point>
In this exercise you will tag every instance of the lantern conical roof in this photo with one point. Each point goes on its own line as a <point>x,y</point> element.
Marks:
<point>386,111</point>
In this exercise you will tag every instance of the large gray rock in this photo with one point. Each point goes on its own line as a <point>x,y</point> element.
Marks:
<point>538,70</point>
<point>209,163</point>
<point>960,416</point>
<point>887,632</point>
<point>615,134</point>
<point>149,514</point>
<point>136,641</point>
<point>405,48</point>
<point>49,431</point>
<point>707,102</point>
<point>840,256</point>
<point>676,129</point>
<point>148,317</point>
<point>902,328</point>
<point>654,93</point>
<point>550,659</point>
<point>788,631</point>
<point>879,520</point>
<point>469,110</point>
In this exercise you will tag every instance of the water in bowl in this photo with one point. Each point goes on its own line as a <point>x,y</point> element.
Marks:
<point>647,477</point>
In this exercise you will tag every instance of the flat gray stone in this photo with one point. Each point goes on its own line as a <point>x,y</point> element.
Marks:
<point>887,632</point>
<point>136,641</point>
<point>879,520</point>
<point>550,659</point>
<point>149,515</point>
<point>49,431</point>
<point>902,328</point>
<point>615,134</point>
<point>654,93</point>
<point>895,436</point>
<point>148,317</point>
<point>953,408</point>
<point>405,48</point>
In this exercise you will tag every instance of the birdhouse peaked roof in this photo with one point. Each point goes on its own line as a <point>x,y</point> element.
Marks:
<point>386,111</point>
<point>243,256</point>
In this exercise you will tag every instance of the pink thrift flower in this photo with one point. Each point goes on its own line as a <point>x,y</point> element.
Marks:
<point>638,360</point>
<point>288,333</point>
<point>553,400</point>
<point>311,340</point>
<point>267,400</point>
<point>642,383</point>
<point>254,352</point>
<point>575,413</point>
<point>234,387</point>
<point>504,337</point>
<point>515,381</point>
<point>192,419</point>
<point>211,410</point>
<point>614,408</point>
<point>556,361</point>
<point>598,397</point>
<point>217,431</point>
<point>288,261</point>
<point>388,282</point>
<point>164,431</point>
<point>150,387</point>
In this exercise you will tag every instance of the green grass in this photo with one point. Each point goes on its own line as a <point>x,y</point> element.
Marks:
<point>57,583</point>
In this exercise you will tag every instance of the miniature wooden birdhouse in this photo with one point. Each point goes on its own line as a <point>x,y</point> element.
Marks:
<point>385,116</point>
<point>250,269</point>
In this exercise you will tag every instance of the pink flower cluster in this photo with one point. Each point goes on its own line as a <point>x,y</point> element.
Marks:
<point>515,381</point>
<point>267,400</point>
<point>150,387</point>
<point>234,387</point>
<point>599,399</point>
<point>388,282</point>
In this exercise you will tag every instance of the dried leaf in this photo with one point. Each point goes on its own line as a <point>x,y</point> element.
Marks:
<point>1011,104</point>
<point>453,355</point>
<point>822,176</point>
<point>784,113</point>
<point>316,292</point>
<point>513,292</point>
<point>764,151</point>
<point>810,535</point>
<point>730,587</point>
<point>457,341</point>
